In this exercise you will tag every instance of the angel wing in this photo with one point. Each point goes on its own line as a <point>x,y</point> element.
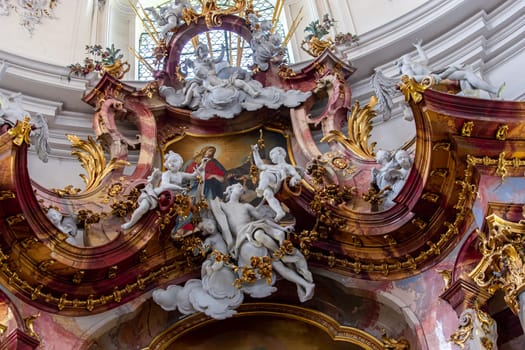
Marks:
<point>385,90</point>
<point>39,137</point>
<point>156,16</point>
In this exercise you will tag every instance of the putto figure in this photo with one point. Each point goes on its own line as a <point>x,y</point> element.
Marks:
<point>214,293</point>
<point>392,175</point>
<point>272,177</point>
<point>266,45</point>
<point>470,82</point>
<point>235,234</point>
<point>170,180</point>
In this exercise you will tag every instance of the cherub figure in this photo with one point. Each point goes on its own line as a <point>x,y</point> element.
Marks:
<point>67,225</point>
<point>173,15</point>
<point>272,176</point>
<point>266,45</point>
<point>469,81</point>
<point>394,171</point>
<point>170,180</point>
<point>215,293</point>
<point>416,68</point>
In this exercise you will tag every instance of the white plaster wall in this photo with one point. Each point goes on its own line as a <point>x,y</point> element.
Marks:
<point>59,41</point>
<point>354,16</point>
<point>370,14</point>
<point>62,40</point>
<point>56,173</point>
<point>506,72</point>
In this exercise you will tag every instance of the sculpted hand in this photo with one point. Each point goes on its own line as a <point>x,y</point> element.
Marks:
<point>294,181</point>
<point>202,165</point>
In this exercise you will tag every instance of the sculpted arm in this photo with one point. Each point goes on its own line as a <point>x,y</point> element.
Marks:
<point>422,54</point>
<point>221,56</point>
<point>257,158</point>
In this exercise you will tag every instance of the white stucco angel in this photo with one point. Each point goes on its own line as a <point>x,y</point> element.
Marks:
<point>67,225</point>
<point>249,233</point>
<point>225,91</point>
<point>391,177</point>
<point>272,176</point>
<point>171,16</point>
<point>469,81</point>
<point>266,45</point>
<point>170,180</point>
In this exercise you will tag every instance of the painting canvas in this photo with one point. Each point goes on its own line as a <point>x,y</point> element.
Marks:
<point>229,156</point>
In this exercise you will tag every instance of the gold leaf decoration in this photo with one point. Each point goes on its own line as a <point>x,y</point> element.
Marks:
<point>93,160</point>
<point>359,129</point>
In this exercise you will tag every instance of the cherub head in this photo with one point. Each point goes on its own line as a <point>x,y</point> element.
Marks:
<point>54,216</point>
<point>278,155</point>
<point>208,226</point>
<point>383,157</point>
<point>236,188</point>
<point>403,159</point>
<point>173,161</point>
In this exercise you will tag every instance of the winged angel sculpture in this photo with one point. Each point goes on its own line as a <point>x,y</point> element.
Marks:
<point>386,88</point>
<point>12,111</point>
<point>225,93</point>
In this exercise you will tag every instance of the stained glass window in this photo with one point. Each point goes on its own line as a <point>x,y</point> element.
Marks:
<point>238,52</point>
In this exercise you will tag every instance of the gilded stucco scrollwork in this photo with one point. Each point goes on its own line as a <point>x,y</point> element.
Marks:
<point>93,160</point>
<point>391,343</point>
<point>476,331</point>
<point>502,265</point>
<point>359,130</point>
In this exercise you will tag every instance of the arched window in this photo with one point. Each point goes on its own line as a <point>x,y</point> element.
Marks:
<point>238,52</point>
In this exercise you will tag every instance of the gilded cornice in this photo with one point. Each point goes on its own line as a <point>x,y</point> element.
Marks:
<point>337,332</point>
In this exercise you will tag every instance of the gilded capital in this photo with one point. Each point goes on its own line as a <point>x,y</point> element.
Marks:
<point>502,265</point>
<point>476,330</point>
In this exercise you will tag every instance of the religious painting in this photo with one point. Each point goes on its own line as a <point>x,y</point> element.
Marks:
<point>229,158</point>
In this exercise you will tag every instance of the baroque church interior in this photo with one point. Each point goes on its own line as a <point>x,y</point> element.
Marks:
<point>262,174</point>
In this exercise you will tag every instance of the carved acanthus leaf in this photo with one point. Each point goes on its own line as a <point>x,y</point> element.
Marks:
<point>359,129</point>
<point>93,160</point>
